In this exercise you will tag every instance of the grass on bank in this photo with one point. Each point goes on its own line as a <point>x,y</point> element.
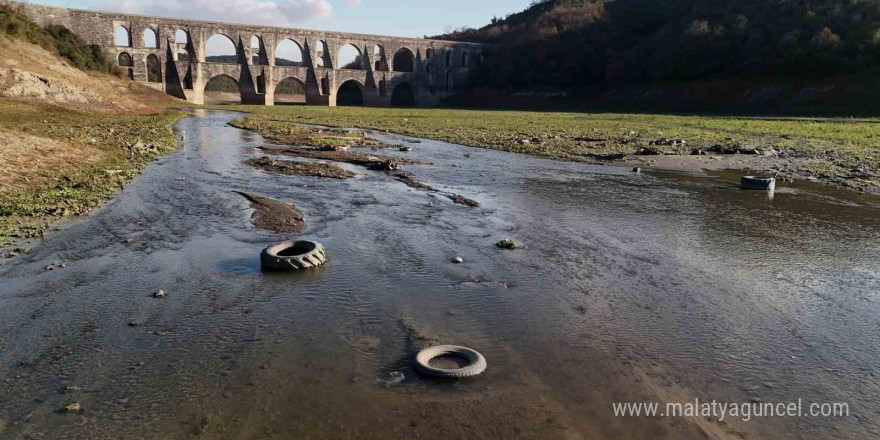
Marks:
<point>848,149</point>
<point>121,145</point>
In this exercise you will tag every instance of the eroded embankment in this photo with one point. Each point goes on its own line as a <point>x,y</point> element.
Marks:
<point>373,162</point>
<point>332,145</point>
<point>272,215</point>
<point>293,168</point>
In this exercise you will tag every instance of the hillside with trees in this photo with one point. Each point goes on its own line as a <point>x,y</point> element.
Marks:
<point>610,43</point>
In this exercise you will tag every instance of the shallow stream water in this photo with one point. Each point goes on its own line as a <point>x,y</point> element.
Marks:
<point>647,287</point>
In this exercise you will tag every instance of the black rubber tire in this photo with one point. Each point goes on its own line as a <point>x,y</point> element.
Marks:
<point>758,183</point>
<point>476,362</point>
<point>312,256</point>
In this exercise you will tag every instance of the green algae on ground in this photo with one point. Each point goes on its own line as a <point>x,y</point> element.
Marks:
<point>128,142</point>
<point>838,151</point>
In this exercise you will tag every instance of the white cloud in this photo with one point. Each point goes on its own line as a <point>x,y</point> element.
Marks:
<point>351,2</point>
<point>265,12</point>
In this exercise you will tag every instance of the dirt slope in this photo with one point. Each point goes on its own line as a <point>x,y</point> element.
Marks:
<point>29,72</point>
<point>69,138</point>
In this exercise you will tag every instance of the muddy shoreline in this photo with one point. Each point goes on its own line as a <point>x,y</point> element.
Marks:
<point>833,152</point>
<point>631,288</point>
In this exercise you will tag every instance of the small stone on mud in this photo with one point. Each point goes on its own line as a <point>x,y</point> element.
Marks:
<point>73,407</point>
<point>406,149</point>
<point>637,170</point>
<point>50,267</point>
<point>129,241</point>
<point>159,294</point>
<point>458,260</point>
<point>63,265</point>
<point>508,244</point>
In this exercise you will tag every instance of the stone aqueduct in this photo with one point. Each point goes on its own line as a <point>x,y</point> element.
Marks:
<point>431,69</point>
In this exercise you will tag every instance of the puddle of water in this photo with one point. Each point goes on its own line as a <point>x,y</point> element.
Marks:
<point>629,287</point>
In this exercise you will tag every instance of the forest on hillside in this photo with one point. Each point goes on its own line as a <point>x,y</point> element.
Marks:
<point>608,43</point>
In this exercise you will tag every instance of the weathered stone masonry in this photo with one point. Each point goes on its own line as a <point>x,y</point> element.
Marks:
<point>439,68</point>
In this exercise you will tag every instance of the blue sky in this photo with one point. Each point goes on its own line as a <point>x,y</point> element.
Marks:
<point>405,18</point>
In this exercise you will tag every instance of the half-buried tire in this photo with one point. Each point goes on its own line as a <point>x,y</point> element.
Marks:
<point>293,255</point>
<point>475,362</point>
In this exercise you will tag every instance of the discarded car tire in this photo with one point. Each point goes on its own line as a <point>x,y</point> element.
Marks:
<point>293,255</point>
<point>476,362</point>
<point>758,183</point>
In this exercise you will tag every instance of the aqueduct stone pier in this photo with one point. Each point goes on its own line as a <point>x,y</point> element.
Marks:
<point>170,54</point>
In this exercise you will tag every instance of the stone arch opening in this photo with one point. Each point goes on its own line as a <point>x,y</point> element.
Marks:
<point>325,86</point>
<point>181,37</point>
<point>381,65</point>
<point>183,55</point>
<point>154,69</point>
<point>222,89</point>
<point>125,60</point>
<point>350,94</point>
<point>260,82</point>
<point>404,60</point>
<point>259,57</point>
<point>429,53</point>
<point>188,79</point>
<point>289,53</point>
<point>448,57</point>
<point>404,95</point>
<point>151,41</point>
<point>123,36</point>
<point>221,49</point>
<point>481,58</point>
<point>350,58</point>
<point>465,60</point>
<point>322,56</point>
<point>290,91</point>
<point>432,78</point>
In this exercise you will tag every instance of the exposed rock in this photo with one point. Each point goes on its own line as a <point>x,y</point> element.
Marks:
<point>649,151</point>
<point>508,244</point>
<point>462,200</point>
<point>16,83</point>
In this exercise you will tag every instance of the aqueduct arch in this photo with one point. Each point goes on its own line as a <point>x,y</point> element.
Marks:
<point>186,59</point>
